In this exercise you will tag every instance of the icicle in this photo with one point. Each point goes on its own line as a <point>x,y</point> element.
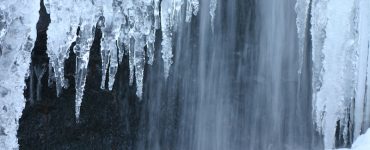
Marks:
<point>150,47</point>
<point>105,56</point>
<point>189,11</point>
<point>51,77</point>
<point>192,8</point>
<point>166,19</point>
<point>113,67</point>
<point>82,50</point>
<point>39,72</point>
<point>111,26</point>
<point>301,9</point>
<point>157,20</point>
<point>61,34</point>
<point>114,59</point>
<point>131,61</point>
<point>139,62</point>
<point>212,9</point>
<point>121,23</point>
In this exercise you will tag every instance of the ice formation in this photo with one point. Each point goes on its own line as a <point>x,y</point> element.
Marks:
<point>212,9</point>
<point>127,28</point>
<point>192,7</point>
<point>340,49</point>
<point>339,31</point>
<point>18,20</point>
<point>302,10</point>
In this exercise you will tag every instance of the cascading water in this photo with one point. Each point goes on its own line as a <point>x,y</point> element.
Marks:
<point>184,74</point>
<point>236,87</point>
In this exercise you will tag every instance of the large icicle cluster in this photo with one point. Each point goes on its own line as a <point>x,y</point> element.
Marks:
<point>18,20</point>
<point>340,73</point>
<point>127,27</point>
<point>66,16</point>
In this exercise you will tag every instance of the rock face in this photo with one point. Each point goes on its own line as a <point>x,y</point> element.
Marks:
<point>109,119</point>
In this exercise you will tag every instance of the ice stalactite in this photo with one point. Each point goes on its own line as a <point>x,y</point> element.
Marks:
<point>150,46</point>
<point>82,50</point>
<point>39,72</point>
<point>302,10</point>
<point>212,9</point>
<point>131,61</point>
<point>166,42</point>
<point>61,33</point>
<point>18,20</point>
<point>139,61</point>
<point>192,8</point>
<point>66,17</point>
<point>111,21</point>
<point>170,11</point>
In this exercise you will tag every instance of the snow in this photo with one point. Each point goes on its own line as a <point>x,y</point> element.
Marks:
<point>362,142</point>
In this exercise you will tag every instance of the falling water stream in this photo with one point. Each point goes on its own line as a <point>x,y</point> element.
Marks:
<point>184,74</point>
<point>237,82</point>
<point>236,87</point>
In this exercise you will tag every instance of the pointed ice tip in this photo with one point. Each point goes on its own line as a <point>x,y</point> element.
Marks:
<point>140,98</point>
<point>102,86</point>
<point>77,114</point>
<point>139,94</point>
<point>166,74</point>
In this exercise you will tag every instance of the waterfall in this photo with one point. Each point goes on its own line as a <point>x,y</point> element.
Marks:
<point>184,74</point>
<point>237,86</point>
